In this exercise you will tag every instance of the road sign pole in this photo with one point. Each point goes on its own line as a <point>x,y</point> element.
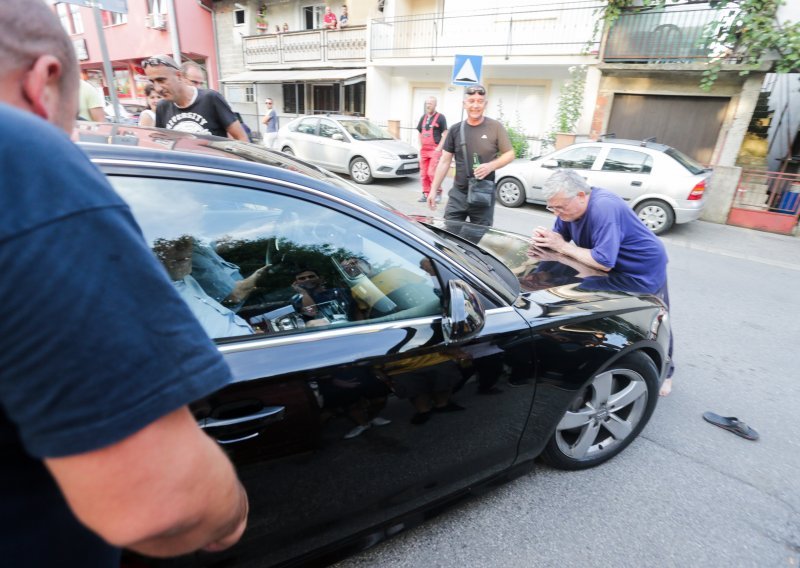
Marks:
<point>112,84</point>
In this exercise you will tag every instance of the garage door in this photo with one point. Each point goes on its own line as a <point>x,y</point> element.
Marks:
<point>690,124</point>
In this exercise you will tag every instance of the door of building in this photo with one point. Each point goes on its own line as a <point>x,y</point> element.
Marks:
<point>690,124</point>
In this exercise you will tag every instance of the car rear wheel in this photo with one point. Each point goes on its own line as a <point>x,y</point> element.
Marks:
<point>288,151</point>
<point>656,215</point>
<point>605,416</point>
<point>360,171</point>
<point>510,192</point>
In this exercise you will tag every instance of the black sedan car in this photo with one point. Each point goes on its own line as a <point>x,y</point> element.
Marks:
<point>383,367</point>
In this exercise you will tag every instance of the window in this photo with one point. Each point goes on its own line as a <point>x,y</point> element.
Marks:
<point>326,98</point>
<point>313,17</point>
<point>113,18</point>
<point>327,129</point>
<point>307,126</point>
<point>239,18</point>
<point>250,262</point>
<point>631,161</point>
<point>577,158</point>
<point>354,97</point>
<point>70,16</point>
<point>250,94</point>
<point>294,98</point>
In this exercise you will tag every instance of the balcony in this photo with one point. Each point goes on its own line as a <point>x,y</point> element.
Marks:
<point>304,48</point>
<point>544,30</point>
<point>672,34</point>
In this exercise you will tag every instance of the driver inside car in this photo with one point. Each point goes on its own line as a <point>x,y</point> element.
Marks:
<point>320,305</point>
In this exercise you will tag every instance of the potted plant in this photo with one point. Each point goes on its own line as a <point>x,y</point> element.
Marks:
<point>570,108</point>
<point>261,19</point>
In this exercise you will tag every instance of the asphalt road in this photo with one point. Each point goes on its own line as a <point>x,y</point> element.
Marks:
<point>686,493</point>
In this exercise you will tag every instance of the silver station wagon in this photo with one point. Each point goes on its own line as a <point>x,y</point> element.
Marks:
<point>663,185</point>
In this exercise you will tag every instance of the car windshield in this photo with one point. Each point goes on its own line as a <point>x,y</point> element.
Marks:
<point>684,160</point>
<point>365,130</point>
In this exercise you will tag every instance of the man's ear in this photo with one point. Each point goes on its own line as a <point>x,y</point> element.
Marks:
<point>41,86</point>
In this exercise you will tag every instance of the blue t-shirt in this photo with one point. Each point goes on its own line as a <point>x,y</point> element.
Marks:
<point>94,342</point>
<point>618,240</point>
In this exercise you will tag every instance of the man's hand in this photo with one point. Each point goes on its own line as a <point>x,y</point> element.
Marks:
<point>545,238</point>
<point>432,200</point>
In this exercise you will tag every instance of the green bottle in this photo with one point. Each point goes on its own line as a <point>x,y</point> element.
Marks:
<point>476,161</point>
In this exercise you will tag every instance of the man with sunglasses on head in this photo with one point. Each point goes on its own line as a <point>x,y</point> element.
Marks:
<point>186,107</point>
<point>486,141</point>
<point>98,448</point>
<point>597,228</point>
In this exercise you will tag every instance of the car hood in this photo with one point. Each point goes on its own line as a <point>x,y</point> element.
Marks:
<point>394,146</point>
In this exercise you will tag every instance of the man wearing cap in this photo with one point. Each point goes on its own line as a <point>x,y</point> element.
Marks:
<point>270,122</point>
<point>487,147</point>
<point>187,108</point>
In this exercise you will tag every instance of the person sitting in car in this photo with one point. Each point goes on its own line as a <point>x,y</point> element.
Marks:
<point>318,304</point>
<point>217,320</point>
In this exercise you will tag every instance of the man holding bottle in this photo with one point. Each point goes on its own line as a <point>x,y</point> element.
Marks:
<point>480,145</point>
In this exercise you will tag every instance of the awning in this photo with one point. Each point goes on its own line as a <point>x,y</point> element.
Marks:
<point>298,76</point>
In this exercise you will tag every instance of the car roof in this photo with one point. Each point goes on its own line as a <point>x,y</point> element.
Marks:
<point>334,117</point>
<point>157,145</point>
<point>647,143</point>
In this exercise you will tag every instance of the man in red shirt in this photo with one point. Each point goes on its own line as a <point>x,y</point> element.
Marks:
<point>330,19</point>
<point>432,129</point>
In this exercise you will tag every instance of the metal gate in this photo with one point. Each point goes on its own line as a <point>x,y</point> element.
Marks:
<point>769,201</point>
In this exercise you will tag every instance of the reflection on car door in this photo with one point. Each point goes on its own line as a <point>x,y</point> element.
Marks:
<point>305,139</point>
<point>332,152</point>
<point>340,425</point>
<point>625,172</point>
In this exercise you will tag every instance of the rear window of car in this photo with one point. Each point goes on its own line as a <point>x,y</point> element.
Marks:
<point>693,166</point>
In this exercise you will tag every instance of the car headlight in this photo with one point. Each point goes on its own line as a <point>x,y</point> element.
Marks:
<point>386,155</point>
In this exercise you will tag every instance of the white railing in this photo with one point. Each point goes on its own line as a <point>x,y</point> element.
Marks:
<point>316,46</point>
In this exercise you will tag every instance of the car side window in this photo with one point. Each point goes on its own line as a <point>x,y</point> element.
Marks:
<point>327,129</point>
<point>307,126</point>
<point>631,161</point>
<point>251,262</point>
<point>578,158</point>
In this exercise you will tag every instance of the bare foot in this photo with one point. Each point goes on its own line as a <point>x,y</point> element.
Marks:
<point>666,388</point>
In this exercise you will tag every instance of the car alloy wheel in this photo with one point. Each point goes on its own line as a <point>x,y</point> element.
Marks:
<point>656,215</point>
<point>288,151</point>
<point>360,171</point>
<point>606,415</point>
<point>510,193</point>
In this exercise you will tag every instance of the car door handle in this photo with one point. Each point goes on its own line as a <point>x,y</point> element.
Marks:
<point>242,427</point>
<point>636,183</point>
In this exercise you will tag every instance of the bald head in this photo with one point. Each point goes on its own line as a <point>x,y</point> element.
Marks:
<point>38,67</point>
<point>430,105</point>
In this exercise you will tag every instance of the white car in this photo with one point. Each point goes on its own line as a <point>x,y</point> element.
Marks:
<point>350,145</point>
<point>663,185</point>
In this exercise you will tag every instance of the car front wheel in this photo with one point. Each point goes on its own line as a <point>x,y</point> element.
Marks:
<point>656,215</point>
<point>510,192</point>
<point>605,416</point>
<point>360,171</point>
<point>288,151</point>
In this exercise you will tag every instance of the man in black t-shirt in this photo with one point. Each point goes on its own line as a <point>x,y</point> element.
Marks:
<point>187,108</point>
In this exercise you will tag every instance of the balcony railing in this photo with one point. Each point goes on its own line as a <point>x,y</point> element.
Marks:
<point>673,34</point>
<point>313,46</point>
<point>553,29</point>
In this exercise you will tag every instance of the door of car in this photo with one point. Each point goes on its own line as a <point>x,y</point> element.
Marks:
<point>305,139</point>
<point>333,146</point>
<point>578,158</point>
<point>351,409</point>
<point>625,171</point>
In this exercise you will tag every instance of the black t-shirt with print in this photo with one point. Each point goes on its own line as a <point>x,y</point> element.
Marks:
<point>210,113</point>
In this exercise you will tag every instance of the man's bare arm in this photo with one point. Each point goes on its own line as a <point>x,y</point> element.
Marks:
<point>166,490</point>
<point>97,114</point>
<point>236,131</point>
<point>438,177</point>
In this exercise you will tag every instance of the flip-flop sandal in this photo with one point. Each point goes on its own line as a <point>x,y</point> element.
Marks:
<point>732,424</point>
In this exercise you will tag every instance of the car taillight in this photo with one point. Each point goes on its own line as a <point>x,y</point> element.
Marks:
<point>697,191</point>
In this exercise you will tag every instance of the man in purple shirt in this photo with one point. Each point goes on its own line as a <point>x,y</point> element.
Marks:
<point>597,228</point>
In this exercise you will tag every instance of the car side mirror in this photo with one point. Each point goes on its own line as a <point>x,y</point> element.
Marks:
<point>338,136</point>
<point>465,314</point>
<point>550,164</point>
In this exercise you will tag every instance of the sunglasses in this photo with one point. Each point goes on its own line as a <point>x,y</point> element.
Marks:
<point>155,61</point>
<point>476,91</point>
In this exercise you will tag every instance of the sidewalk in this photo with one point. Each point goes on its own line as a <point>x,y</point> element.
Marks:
<point>748,244</point>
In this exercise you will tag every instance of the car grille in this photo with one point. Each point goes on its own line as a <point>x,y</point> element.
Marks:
<point>408,156</point>
<point>408,169</point>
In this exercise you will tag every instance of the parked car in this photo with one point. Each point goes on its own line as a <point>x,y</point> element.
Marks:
<point>350,145</point>
<point>441,358</point>
<point>663,185</point>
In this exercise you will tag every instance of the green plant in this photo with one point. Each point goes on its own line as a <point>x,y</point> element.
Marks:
<point>570,103</point>
<point>519,140</point>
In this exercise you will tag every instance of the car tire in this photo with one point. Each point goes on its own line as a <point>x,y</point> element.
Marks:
<point>510,192</point>
<point>657,215</point>
<point>606,415</point>
<point>288,151</point>
<point>360,171</point>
